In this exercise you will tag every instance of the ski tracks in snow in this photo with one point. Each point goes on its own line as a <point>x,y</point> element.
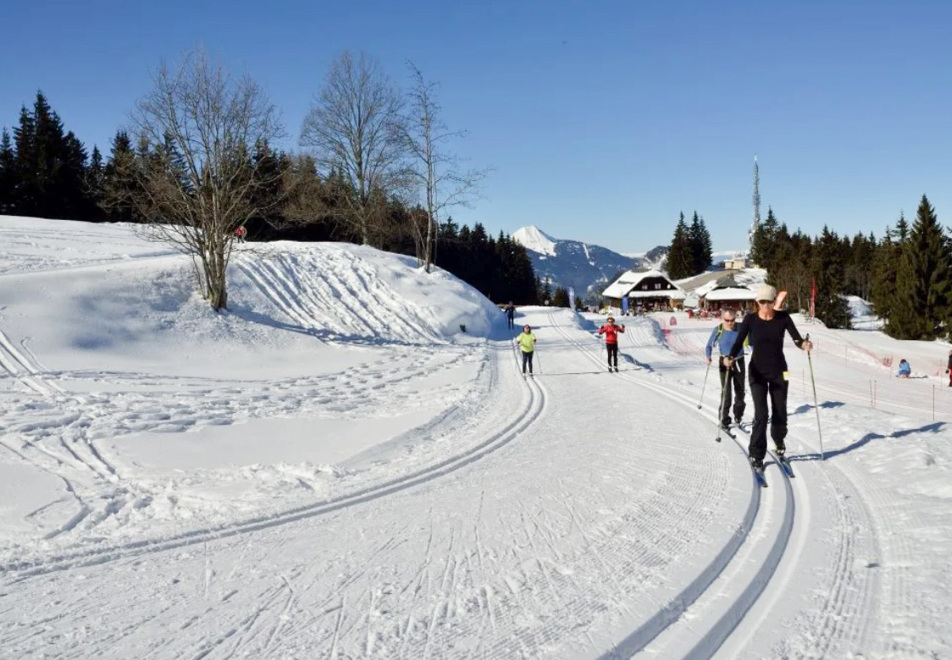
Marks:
<point>739,589</point>
<point>365,307</point>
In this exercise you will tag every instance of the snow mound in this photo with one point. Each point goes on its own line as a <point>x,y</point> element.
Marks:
<point>347,293</point>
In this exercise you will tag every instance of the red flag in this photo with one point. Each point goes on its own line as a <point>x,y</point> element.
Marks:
<point>813,298</point>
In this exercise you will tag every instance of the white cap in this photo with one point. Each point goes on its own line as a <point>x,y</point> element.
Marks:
<point>766,292</point>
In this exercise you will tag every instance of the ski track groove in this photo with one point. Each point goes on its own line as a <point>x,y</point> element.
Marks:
<point>282,278</point>
<point>532,409</point>
<point>834,629</point>
<point>65,435</point>
<point>839,627</point>
<point>672,611</point>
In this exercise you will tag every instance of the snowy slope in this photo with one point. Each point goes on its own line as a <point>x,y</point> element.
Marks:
<point>332,469</point>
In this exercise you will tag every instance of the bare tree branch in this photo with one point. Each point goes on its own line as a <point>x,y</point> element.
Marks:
<point>434,171</point>
<point>196,184</point>
<point>351,128</point>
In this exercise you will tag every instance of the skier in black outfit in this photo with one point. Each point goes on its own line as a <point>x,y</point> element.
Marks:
<point>511,314</point>
<point>768,371</point>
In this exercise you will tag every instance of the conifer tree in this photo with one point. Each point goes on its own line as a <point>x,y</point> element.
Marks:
<point>700,241</point>
<point>120,181</point>
<point>922,283</point>
<point>860,254</point>
<point>24,139</point>
<point>831,307</point>
<point>765,242</point>
<point>95,175</point>
<point>679,262</point>
<point>561,297</point>
<point>9,177</point>
<point>885,268</point>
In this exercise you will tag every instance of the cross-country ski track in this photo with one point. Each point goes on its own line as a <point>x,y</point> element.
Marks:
<point>506,564</point>
<point>336,467</point>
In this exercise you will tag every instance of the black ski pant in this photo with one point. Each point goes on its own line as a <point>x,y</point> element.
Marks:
<point>612,354</point>
<point>760,388</point>
<point>732,388</point>
<point>510,321</point>
<point>526,359</point>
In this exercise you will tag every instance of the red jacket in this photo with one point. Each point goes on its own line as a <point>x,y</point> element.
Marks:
<point>610,330</point>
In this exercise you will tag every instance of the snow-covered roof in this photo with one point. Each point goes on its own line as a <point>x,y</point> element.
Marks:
<point>730,293</point>
<point>630,279</point>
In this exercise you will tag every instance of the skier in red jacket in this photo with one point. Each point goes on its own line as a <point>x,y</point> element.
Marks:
<point>610,330</point>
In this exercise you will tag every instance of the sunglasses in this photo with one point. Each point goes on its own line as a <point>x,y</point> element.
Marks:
<point>728,320</point>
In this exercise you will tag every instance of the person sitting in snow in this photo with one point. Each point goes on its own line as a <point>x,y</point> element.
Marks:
<point>904,369</point>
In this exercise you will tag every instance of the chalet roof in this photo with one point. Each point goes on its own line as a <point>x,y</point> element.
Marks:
<point>730,293</point>
<point>630,279</point>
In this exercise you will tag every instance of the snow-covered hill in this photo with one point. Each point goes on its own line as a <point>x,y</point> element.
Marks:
<point>569,263</point>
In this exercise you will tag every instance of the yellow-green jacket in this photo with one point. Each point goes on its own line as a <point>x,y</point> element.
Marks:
<point>526,342</point>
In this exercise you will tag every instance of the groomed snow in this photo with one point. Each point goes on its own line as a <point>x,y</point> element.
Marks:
<point>334,468</point>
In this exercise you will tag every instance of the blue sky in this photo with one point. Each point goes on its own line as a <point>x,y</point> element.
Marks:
<point>602,120</point>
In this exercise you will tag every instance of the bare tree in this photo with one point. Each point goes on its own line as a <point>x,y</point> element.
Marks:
<point>352,129</point>
<point>434,171</point>
<point>200,180</point>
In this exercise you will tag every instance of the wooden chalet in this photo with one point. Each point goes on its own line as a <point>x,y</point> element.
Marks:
<point>650,290</point>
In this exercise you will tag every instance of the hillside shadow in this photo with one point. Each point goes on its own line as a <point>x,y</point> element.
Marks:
<point>935,427</point>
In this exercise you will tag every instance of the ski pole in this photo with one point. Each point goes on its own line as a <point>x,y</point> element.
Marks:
<point>816,406</point>
<point>706,372</point>
<point>725,383</point>
<point>539,364</point>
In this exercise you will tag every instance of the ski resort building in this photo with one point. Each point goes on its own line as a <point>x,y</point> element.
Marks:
<point>647,291</point>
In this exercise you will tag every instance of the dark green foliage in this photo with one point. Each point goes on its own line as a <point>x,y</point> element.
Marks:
<point>921,305</point>
<point>886,261</point>
<point>793,272</point>
<point>9,177</point>
<point>118,181</point>
<point>690,250</point>
<point>680,261</point>
<point>860,254</point>
<point>766,242</point>
<point>561,297</point>
<point>701,249</point>
<point>44,169</point>
<point>499,268</point>
<point>829,271</point>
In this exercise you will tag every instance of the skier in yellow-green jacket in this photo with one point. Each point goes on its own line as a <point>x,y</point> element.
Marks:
<point>526,341</point>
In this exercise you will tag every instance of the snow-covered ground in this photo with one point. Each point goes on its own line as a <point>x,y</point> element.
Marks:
<point>333,468</point>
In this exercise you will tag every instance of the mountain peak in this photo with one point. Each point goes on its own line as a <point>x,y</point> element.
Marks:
<point>533,238</point>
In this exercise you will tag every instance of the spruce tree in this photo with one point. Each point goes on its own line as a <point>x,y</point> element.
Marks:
<point>885,269</point>
<point>831,307</point>
<point>24,140</point>
<point>700,241</point>
<point>120,180</point>
<point>679,261</point>
<point>9,178</point>
<point>765,242</point>
<point>923,280</point>
<point>51,166</point>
